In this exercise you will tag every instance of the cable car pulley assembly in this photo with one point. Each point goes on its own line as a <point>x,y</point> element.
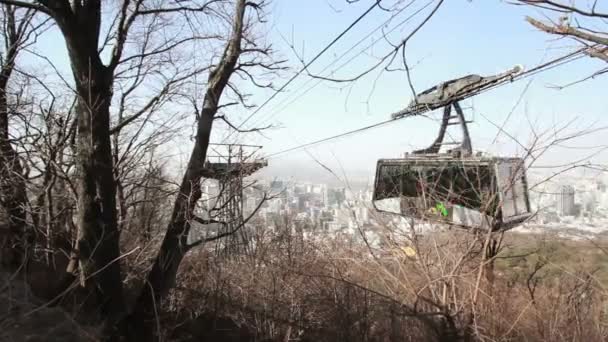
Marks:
<point>457,188</point>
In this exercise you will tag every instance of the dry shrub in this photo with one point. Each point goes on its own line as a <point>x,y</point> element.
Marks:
<point>337,288</point>
<point>570,307</point>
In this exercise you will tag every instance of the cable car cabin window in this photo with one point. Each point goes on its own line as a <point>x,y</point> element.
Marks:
<point>471,187</point>
<point>396,181</point>
<point>412,188</point>
<point>394,184</point>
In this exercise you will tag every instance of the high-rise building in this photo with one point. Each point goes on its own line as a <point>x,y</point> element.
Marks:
<point>336,196</point>
<point>601,187</point>
<point>363,215</point>
<point>565,201</point>
<point>277,186</point>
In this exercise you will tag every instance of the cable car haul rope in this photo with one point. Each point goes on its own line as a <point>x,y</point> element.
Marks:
<point>471,91</point>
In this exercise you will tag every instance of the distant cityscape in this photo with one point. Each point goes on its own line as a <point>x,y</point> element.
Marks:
<point>321,206</point>
<point>574,206</point>
<point>571,209</point>
<point>584,200</point>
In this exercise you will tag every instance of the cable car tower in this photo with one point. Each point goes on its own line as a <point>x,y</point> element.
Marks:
<point>229,164</point>
<point>456,187</point>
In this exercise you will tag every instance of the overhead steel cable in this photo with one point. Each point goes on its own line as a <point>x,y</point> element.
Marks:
<point>305,67</point>
<point>539,68</point>
<point>289,101</point>
<point>330,138</point>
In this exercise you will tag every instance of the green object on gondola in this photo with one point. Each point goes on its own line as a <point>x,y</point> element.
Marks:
<point>442,209</point>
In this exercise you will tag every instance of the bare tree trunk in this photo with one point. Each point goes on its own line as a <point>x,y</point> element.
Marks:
<point>122,206</point>
<point>12,187</point>
<point>162,276</point>
<point>13,197</point>
<point>97,225</point>
<point>98,236</point>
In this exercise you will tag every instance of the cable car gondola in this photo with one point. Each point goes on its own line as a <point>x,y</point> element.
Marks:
<point>456,187</point>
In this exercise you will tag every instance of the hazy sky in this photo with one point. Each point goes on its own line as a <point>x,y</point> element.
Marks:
<point>464,37</point>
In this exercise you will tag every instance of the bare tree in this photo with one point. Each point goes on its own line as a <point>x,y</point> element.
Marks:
<point>577,22</point>
<point>18,32</point>
<point>144,45</point>
<point>174,247</point>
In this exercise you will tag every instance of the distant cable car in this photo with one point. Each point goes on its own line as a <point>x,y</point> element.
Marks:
<point>457,187</point>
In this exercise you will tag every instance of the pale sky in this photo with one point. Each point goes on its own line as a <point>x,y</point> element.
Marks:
<point>464,37</point>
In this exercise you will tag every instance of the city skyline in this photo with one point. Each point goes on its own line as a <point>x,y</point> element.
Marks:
<point>322,208</point>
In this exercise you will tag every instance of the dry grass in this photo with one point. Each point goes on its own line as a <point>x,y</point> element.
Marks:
<point>334,289</point>
<point>338,288</point>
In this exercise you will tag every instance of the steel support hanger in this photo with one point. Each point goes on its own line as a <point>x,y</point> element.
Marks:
<point>448,95</point>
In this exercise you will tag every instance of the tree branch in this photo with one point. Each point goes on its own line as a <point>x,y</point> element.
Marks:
<point>179,8</point>
<point>552,5</point>
<point>223,118</point>
<point>26,5</point>
<point>566,30</point>
<point>205,222</point>
<point>598,53</point>
<point>154,100</point>
<point>230,232</point>
<point>123,30</point>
